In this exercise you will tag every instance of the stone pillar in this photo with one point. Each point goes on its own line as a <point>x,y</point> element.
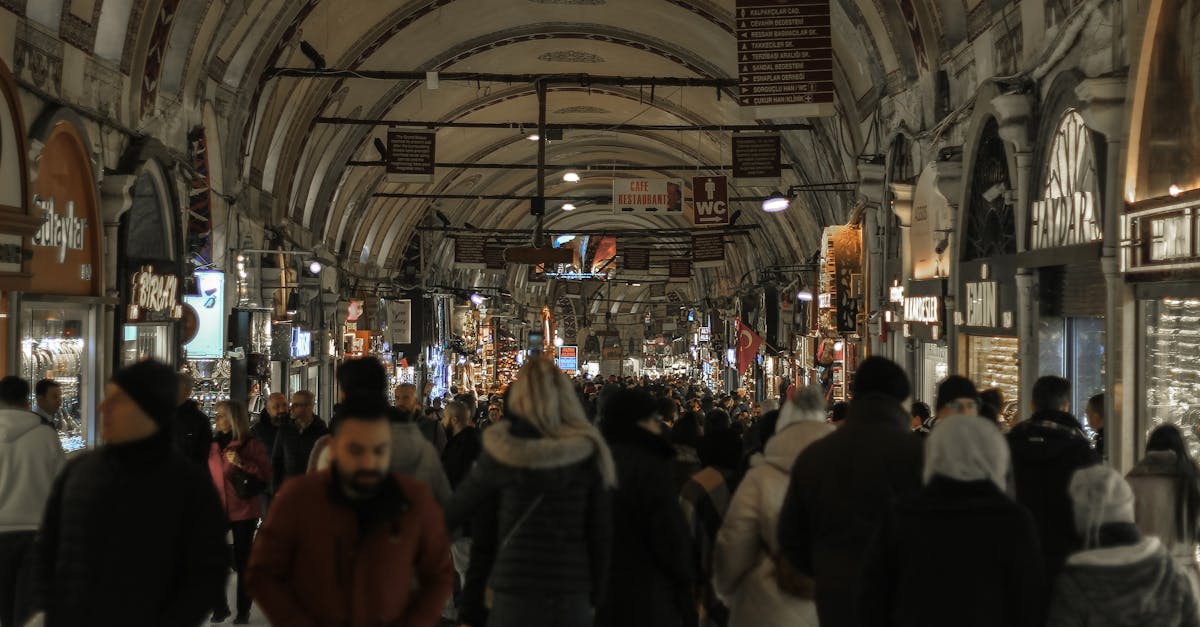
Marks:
<point>875,238</point>
<point>949,185</point>
<point>902,201</point>
<point>1104,111</point>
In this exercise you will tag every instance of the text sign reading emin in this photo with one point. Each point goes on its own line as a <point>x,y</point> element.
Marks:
<point>981,304</point>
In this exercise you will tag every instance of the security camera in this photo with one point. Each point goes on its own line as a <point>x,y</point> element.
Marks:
<point>993,192</point>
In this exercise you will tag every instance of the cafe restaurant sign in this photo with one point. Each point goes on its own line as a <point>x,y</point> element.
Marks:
<point>1066,215</point>
<point>153,295</point>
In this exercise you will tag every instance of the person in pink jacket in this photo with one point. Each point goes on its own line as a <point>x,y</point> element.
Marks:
<point>236,451</point>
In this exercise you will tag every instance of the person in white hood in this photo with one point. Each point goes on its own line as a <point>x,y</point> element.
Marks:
<point>30,458</point>
<point>745,572</point>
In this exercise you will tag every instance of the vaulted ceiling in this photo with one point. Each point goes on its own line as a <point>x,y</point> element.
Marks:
<point>223,51</point>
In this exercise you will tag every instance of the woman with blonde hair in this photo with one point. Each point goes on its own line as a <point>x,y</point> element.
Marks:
<point>539,507</point>
<point>241,470</point>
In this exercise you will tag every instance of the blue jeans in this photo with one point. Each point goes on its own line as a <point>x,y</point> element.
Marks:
<point>573,610</point>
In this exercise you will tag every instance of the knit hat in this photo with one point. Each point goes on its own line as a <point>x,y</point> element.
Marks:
<point>953,388</point>
<point>154,386</point>
<point>1101,496</point>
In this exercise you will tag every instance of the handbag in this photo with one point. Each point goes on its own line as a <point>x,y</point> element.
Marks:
<point>246,484</point>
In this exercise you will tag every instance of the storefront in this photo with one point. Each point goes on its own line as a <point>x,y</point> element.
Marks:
<point>203,336</point>
<point>59,321</point>
<point>839,303</point>
<point>149,271</point>
<point>924,315</point>
<point>1062,251</point>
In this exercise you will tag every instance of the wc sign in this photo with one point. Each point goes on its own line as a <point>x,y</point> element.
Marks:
<point>710,200</point>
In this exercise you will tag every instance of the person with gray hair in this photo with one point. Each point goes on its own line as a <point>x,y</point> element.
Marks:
<point>939,531</point>
<point>1120,578</point>
<point>746,574</point>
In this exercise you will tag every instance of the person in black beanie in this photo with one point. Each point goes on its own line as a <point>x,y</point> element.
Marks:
<point>652,572</point>
<point>133,533</point>
<point>843,484</point>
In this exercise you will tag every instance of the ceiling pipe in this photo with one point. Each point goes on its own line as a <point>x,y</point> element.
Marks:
<point>582,80</point>
<point>600,167</point>
<point>572,126</point>
<point>593,199</point>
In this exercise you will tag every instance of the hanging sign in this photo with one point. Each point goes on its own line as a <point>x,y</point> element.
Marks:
<point>301,343</point>
<point>785,56</point>
<point>209,339</point>
<point>648,195</point>
<point>679,269</point>
<point>410,156</point>
<point>399,313</point>
<point>1066,215</point>
<point>708,251</point>
<point>704,334</point>
<point>635,259</point>
<point>151,294</point>
<point>847,252</point>
<point>568,358</point>
<point>494,257</point>
<point>470,252</point>
<point>710,200</point>
<point>756,159</point>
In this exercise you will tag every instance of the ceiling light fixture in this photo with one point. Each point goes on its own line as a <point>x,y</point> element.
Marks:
<point>805,295</point>
<point>477,298</point>
<point>533,137</point>
<point>571,177</point>
<point>568,207</point>
<point>315,267</point>
<point>776,202</point>
<point>1174,191</point>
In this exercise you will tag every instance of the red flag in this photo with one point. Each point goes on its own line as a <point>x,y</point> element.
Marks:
<point>747,346</point>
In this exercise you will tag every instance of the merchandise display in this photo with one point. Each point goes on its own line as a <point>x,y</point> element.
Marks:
<point>1172,378</point>
<point>53,348</point>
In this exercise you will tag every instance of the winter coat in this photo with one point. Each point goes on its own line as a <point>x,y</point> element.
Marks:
<point>540,508</point>
<point>1046,450</point>
<point>651,567</point>
<point>321,560</point>
<point>267,432</point>
<point>462,449</point>
<point>840,488</point>
<point>1123,586</point>
<point>743,562</point>
<point>30,458</point>
<point>414,456</point>
<point>434,432</point>
<point>1154,482</point>
<point>293,448</point>
<point>133,535</point>
<point>687,463</point>
<point>254,461</point>
<point>193,432</point>
<point>705,499</point>
<point>953,528</point>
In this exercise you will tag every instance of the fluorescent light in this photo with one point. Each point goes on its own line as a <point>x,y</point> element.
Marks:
<point>533,137</point>
<point>563,239</point>
<point>568,207</point>
<point>805,296</point>
<point>636,284</point>
<point>571,177</point>
<point>776,202</point>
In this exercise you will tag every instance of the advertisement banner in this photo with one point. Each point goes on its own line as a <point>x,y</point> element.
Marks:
<point>209,342</point>
<point>648,195</point>
<point>399,313</point>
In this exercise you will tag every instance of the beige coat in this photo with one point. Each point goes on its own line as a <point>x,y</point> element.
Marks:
<point>1154,489</point>
<point>743,568</point>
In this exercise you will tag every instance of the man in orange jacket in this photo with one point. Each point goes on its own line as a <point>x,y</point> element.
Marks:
<point>342,546</point>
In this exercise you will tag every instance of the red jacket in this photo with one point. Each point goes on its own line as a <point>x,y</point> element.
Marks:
<point>311,567</point>
<point>254,459</point>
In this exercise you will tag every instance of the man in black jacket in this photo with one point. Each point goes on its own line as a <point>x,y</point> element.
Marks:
<point>296,437</point>
<point>842,485</point>
<point>133,534</point>
<point>192,429</point>
<point>266,429</point>
<point>1046,450</point>
<point>463,446</point>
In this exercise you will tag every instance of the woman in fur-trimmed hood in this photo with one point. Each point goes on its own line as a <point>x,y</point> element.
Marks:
<point>540,509</point>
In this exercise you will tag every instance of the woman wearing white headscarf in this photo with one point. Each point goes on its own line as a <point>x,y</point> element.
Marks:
<point>745,572</point>
<point>960,552</point>
<point>1120,578</point>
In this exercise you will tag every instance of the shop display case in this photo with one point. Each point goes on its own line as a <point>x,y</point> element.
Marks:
<point>1171,382</point>
<point>57,342</point>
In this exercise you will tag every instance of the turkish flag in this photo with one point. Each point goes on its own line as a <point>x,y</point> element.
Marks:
<point>747,346</point>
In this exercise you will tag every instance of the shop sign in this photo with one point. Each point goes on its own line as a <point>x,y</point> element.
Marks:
<point>400,321</point>
<point>61,232</point>
<point>847,251</point>
<point>568,358</point>
<point>988,296</point>
<point>981,304</point>
<point>1066,215</point>
<point>648,195</point>
<point>710,200</point>
<point>705,334</point>
<point>923,309</point>
<point>151,293</point>
<point>209,305</point>
<point>301,343</point>
<point>1162,235</point>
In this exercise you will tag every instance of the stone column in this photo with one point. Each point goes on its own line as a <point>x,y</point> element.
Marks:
<point>949,185</point>
<point>875,237</point>
<point>1105,112</point>
<point>902,201</point>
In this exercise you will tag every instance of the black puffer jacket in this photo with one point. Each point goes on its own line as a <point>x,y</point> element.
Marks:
<point>652,571</point>
<point>841,486</point>
<point>193,432</point>
<point>133,535</point>
<point>1046,450</point>
<point>540,514</point>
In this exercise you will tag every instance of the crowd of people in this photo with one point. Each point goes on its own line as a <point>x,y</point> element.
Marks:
<point>572,503</point>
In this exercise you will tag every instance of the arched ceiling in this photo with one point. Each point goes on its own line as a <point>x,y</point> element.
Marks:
<point>274,143</point>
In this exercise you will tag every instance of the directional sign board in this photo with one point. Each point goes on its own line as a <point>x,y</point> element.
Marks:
<point>710,200</point>
<point>785,56</point>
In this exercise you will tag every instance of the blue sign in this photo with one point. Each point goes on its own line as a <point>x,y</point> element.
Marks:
<point>301,344</point>
<point>568,358</point>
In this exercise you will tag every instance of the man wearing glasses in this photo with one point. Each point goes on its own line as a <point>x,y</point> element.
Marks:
<point>296,438</point>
